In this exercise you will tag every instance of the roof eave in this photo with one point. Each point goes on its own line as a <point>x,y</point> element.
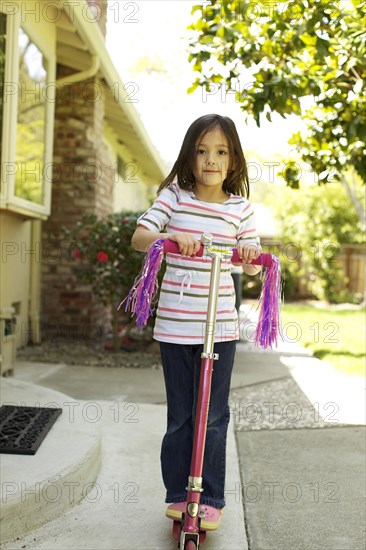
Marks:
<point>91,34</point>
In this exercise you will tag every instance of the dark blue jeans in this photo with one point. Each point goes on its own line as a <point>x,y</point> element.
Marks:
<point>181,365</point>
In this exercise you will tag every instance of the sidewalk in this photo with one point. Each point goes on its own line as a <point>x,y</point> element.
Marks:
<point>301,447</point>
<point>295,470</point>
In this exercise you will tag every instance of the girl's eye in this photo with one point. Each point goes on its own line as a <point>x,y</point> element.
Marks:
<point>220,152</point>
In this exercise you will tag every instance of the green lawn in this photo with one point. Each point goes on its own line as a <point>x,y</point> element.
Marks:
<point>335,335</point>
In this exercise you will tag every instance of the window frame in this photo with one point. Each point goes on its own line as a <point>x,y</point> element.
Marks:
<point>8,199</point>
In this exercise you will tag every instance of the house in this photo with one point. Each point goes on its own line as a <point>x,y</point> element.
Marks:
<point>71,143</point>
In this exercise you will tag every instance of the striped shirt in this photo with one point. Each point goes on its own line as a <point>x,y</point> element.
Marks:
<point>183,300</point>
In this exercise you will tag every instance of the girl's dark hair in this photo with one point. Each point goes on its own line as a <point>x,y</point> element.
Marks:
<point>236,182</point>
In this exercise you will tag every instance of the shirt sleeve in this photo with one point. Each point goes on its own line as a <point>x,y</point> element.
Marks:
<point>158,215</point>
<point>247,231</point>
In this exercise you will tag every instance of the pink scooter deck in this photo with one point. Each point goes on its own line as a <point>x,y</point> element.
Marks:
<point>210,519</point>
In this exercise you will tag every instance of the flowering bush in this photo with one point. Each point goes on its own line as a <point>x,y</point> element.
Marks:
<point>106,259</point>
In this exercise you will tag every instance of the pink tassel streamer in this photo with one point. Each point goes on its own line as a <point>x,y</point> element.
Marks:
<point>141,297</point>
<point>269,322</point>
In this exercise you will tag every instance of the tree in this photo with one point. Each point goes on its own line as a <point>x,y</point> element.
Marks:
<point>287,53</point>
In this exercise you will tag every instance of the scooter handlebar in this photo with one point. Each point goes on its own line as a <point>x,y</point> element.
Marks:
<point>264,259</point>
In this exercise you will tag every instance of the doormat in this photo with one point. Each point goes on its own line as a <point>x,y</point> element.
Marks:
<point>22,429</point>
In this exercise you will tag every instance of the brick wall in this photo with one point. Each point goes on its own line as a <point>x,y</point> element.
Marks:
<point>82,183</point>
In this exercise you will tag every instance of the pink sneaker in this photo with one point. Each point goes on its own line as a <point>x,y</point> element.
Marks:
<point>210,516</point>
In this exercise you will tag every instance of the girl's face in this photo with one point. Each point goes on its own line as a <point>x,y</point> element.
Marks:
<point>212,159</point>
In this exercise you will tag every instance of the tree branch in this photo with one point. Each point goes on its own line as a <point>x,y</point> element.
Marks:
<point>355,200</point>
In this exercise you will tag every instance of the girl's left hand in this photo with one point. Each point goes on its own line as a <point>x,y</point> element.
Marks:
<point>248,252</point>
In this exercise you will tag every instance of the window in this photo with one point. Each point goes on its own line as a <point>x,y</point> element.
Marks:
<point>2,76</point>
<point>31,121</point>
<point>27,106</point>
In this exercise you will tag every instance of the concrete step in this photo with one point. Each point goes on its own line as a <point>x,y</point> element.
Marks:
<point>126,508</point>
<point>38,488</point>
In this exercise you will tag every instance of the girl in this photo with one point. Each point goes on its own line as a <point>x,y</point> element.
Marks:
<point>204,193</point>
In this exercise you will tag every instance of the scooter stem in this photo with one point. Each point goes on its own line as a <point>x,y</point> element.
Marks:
<point>194,488</point>
<point>208,345</point>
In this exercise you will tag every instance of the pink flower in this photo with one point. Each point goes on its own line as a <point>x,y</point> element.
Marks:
<point>102,257</point>
<point>76,253</point>
<point>125,220</point>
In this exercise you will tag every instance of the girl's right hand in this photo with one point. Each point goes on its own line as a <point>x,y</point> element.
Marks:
<point>188,245</point>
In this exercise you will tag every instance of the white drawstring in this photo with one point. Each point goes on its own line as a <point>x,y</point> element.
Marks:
<point>186,276</point>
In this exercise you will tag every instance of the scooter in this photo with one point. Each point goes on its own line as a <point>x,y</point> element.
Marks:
<point>191,520</point>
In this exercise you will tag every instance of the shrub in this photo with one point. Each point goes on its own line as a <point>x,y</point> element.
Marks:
<point>107,260</point>
<point>317,220</point>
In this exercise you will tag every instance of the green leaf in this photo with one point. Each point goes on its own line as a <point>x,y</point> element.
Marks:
<point>192,88</point>
<point>322,47</point>
<point>196,7</point>
<point>207,39</point>
<point>316,50</point>
<point>308,39</point>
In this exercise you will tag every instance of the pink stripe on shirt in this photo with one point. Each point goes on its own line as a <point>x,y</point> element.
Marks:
<point>206,209</point>
<point>181,230</point>
<point>247,231</point>
<point>173,336</point>
<point>164,204</point>
<point>195,286</point>
<point>173,310</point>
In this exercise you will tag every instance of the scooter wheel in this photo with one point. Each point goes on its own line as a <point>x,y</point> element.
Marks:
<point>190,545</point>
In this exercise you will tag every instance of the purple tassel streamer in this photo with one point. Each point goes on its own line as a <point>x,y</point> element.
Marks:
<point>142,294</point>
<point>269,322</point>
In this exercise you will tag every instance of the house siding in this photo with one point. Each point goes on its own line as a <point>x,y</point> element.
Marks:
<point>40,289</point>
